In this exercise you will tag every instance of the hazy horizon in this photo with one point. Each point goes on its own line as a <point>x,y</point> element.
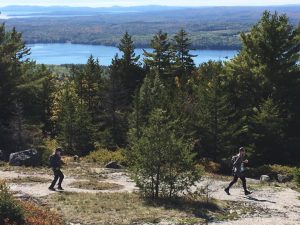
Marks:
<point>127,3</point>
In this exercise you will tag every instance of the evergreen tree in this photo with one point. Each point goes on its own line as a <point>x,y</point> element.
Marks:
<point>267,130</point>
<point>115,125</point>
<point>184,62</point>
<point>152,94</point>
<point>267,67</point>
<point>89,84</point>
<point>12,53</point>
<point>35,95</point>
<point>159,61</point>
<point>132,73</point>
<point>126,46</point>
<point>75,129</point>
<point>162,163</point>
<point>214,117</point>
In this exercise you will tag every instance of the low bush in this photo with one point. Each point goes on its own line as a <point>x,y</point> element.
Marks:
<point>15,212</point>
<point>104,156</point>
<point>297,176</point>
<point>210,166</point>
<point>10,211</point>
<point>270,170</point>
<point>36,215</point>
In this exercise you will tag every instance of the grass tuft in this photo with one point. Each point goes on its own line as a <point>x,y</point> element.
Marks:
<point>131,208</point>
<point>96,185</point>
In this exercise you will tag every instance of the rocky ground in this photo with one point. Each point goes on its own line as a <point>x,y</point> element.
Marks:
<point>266,206</point>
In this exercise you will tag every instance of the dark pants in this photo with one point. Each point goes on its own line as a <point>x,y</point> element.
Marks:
<point>235,178</point>
<point>57,174</point>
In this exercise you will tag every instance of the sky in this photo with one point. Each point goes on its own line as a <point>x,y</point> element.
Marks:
<point>108,3</point>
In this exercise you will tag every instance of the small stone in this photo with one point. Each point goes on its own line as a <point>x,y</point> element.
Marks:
<point>113,165</point>
<point>265,178</point>
<point>76,158</point>
<point>283,178</point>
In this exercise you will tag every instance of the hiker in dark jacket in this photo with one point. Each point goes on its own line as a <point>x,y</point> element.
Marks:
<point>55,164</point>
<point>238,170</point>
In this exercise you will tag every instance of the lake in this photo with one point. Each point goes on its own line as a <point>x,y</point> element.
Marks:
<point>57,54</point>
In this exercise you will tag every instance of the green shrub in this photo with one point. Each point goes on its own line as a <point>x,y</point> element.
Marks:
<point>270,170</point>
<point>209,165</point>
<point>10,211</point>
<point>46,149</point>
<point>297,176</point>
<point>104,156</point>
<point>284,170</point>
<point>162,164</point>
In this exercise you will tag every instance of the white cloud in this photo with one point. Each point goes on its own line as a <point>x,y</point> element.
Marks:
<point>107,3</point>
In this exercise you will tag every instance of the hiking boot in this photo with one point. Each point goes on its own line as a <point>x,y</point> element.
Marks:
<point>227,191</point>
<point>60,188</point>
<point>248,192</point>
<point>51,189</point>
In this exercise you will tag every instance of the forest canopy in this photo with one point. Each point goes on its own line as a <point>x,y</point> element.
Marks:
<point>206,111</point>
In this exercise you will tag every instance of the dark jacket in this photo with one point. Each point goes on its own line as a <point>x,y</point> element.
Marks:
<point>238,165</point>
<point>55,161</point>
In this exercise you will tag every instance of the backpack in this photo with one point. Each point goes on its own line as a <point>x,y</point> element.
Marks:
<point>51,161</point>
<point>233,159</point>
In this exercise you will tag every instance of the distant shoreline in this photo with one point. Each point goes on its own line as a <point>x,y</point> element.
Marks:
<point>136,46</point>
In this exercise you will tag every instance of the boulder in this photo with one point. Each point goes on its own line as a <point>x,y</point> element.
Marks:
<point>76,158</point>
<point>113,165</point>
<point>28,157</point>
<point>284,178</point>
<point>265,178</point>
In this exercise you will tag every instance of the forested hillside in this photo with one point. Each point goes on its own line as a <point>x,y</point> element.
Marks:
<point>209,27</point>
<point>211,110</point>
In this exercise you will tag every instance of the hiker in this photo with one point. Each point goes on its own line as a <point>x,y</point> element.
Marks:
<point>55,164</point>
<point>238,170</point>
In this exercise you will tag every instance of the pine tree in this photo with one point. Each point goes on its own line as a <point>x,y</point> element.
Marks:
<point>75,128</point>
<point>272,49</point>
<point>160,60</point>
<point>214,117</point>
<point>132,73</point>
<point>89,84</point>
<point>267,131</point>
<point>12,52</point>
<point>267,67</point>
<point>115,125</point>
<point>184,62</point>
<point>162,163</point>
<point>127,48</point>
<point>152,94</point>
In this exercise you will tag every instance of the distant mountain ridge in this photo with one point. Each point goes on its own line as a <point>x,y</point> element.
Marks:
<point>59,9</point>
<point>209,27</point>
<point>123,9</point>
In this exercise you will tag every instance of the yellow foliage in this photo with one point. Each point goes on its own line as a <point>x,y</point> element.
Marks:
<point>104,156</point>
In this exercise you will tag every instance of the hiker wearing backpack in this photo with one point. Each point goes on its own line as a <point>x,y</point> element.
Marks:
<point>238,170</point>
<point>56,163</point>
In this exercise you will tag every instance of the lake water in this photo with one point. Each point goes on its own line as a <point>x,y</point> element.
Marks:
<point>57,54</point>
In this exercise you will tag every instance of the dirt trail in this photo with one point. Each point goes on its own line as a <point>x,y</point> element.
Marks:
<point>269,206</point>
<point>41,189</point>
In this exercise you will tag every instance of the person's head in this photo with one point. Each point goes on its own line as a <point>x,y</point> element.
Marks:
<point>242,151</point>
<point>58,151</point>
